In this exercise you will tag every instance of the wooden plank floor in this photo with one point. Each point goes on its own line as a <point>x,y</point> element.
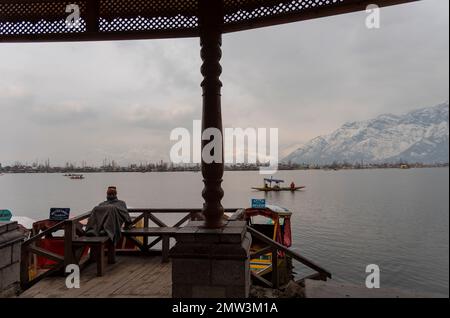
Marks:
<point>131,276</point>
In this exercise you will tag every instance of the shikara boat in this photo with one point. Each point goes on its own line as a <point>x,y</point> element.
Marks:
<point>268,189</point>
<point>76,177</point>
<point>268,186</point>
<point>274,222</point>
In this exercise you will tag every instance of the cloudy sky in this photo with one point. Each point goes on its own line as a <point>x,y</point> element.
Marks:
<point>120,100</point>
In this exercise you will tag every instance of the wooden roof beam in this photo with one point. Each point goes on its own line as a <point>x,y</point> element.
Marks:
<point>309,14</point>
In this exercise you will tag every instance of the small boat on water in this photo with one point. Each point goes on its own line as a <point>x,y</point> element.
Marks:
<point>268,189</point>
<point>76,176</point>
<point>277,187</point>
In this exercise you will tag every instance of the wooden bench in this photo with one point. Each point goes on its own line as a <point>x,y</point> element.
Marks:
<point>164,232</point>
<point>98,246</point>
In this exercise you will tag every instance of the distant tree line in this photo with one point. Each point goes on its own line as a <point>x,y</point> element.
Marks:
<point>162,166</point>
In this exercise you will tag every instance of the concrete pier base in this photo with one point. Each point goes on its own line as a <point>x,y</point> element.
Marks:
<point>10,242</point>
<point>211,263</point>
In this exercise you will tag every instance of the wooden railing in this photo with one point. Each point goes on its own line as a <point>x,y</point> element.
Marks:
<point>71,229</point>
<point>148,215</point>
<point>275,248</point>
<point>30,250</point>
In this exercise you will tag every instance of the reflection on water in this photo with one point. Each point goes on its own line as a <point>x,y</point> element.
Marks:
<point>344,220</point>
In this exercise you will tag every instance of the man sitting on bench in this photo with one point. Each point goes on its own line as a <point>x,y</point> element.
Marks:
<point>108,217</point>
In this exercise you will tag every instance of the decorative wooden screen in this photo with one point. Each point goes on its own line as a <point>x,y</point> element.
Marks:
<point>45,20</point>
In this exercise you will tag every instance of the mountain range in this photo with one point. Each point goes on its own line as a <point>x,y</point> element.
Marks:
<point>419,136</point>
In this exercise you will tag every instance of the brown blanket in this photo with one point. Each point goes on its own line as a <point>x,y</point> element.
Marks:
<point>107,219</point>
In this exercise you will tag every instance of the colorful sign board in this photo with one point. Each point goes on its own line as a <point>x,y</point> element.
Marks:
<point>59,214</point>
<point>5,215</point>
<point>258,203</point>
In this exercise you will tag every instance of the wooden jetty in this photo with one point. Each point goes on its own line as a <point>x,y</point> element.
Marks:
<point>131,276</point>
<point>76,245</point>
<point>141,271</point>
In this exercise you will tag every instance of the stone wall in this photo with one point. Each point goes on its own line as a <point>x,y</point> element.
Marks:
<point>211,263</point>
<point>10,242</point>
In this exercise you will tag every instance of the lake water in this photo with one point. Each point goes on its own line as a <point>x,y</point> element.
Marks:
<point>344,220</point>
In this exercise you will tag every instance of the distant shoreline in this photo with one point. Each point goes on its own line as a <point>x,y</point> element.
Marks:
<point>180,169</point>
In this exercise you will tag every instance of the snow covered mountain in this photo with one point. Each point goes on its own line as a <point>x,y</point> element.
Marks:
<point>418,136</point>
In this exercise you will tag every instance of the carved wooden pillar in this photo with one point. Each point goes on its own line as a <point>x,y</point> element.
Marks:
<point>93,12</point>
<point>210,20</point>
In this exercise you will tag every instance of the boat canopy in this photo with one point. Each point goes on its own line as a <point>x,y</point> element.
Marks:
<point>273,180</point>
<point>281,221</point>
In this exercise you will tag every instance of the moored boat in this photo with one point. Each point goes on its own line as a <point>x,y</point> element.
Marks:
<point>274,222</point>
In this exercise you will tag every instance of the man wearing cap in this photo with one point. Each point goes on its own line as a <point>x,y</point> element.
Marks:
<point>108,217</point>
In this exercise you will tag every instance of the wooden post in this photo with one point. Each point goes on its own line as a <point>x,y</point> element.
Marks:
<point>99,251</point>
<point>210,21</point>
<point>275,278</point>
<point>165,248</point>
<point>145,238</point>
<point>69,233</point>
<point>111,252</point>
<point>24,267</point>
<point>92,18</point>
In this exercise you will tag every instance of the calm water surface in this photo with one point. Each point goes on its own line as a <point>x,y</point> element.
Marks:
<point>345,220</point>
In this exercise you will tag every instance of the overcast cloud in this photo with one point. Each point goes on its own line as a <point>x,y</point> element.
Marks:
<point>120,100</point>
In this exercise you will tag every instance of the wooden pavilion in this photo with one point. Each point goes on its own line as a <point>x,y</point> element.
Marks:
<point>99,20</point>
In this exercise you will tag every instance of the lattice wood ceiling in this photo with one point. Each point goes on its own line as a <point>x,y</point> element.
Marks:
<point>45,20</point>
